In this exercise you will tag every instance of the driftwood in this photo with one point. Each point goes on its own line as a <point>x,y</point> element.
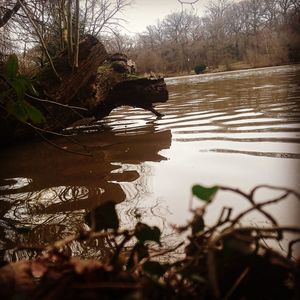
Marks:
<point>101,83</point>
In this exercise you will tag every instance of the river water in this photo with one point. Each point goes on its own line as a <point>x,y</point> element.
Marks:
<point>237,129</point>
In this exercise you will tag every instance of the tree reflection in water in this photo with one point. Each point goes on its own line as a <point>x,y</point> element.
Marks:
<point>45,192</point>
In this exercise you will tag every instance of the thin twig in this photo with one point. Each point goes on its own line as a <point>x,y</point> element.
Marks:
<point>62,148</point>
<point>187,2</point>
<point>231,231</point>
<point>258,207</point>
<point>228,212</point>
<point>108,285</point>
<point>86,236</point>
<point>45,130</point>
<point>157,255</point>
<point>166,251</point>
<point>10,13</point>
<point>68,137</point>
<point>56,103</point>
<point>28,14</point>
<point>290,249</point>
<point>266,186</point>
<point>237,283</point>
<point>237,191</point>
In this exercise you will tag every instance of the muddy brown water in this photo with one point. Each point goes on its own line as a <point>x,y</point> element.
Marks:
<point>238,129</point>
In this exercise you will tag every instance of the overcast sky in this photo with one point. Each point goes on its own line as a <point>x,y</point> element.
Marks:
<point>146,12</point>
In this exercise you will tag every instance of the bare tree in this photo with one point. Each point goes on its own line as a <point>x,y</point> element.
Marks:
<point>8,13</point>
<point>101,16</point>
<point>257,32</point>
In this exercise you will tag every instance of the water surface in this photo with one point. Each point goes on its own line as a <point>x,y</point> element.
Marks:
<point>237,129</point>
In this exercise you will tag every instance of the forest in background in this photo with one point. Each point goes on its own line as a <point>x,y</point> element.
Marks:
<point>229,35</point>
<point>249,33</point>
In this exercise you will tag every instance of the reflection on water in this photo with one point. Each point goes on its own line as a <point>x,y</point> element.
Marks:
<point>238,129</point>
<point>48,191</point>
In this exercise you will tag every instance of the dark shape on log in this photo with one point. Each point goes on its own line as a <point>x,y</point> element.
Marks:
<point>131,93</point>
<point>119,66</point>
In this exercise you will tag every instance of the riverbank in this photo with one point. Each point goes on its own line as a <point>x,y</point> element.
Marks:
<point>235,67</point>
<point>209,74</point>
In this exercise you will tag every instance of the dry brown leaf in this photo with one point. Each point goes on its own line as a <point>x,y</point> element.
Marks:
<point>81,266</point>
<point>16,278</point>
<point>38,268</point>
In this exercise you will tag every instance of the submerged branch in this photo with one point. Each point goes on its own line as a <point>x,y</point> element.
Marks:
<point>62,148</point>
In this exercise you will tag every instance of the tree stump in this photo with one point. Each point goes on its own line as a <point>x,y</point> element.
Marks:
<point>101,83</point>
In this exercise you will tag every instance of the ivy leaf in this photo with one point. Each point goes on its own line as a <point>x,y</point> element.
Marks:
<point>12,67</point>
<point>24,81</point>
<point>154,268</point>
<point>144,233</point>
<point>33,113</point>
<point>18,88</point>
<point>204,193</point>
<point>103,217</point>
<point>17,110</point>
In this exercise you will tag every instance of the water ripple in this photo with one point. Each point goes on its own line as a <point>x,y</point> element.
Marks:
<point>260,102</point>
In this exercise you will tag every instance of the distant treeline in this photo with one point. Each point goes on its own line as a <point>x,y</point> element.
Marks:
<point>254,32</point>
<point>229,35</point>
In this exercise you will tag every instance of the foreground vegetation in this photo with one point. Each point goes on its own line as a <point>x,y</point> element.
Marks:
<point>222,261</point>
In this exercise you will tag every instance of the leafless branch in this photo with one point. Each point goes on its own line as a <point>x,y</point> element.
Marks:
<point>28,14</point>
<point>10,13</point>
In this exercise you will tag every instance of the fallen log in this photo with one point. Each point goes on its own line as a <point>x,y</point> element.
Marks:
<point>101,83</point>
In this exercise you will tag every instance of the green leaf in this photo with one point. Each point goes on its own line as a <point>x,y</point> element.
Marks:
<point>144,233</point>
<point>204,193</point>
<point>12,66</point>
<point>33,113</point>
<point>21,84</point>
<point>24,80</point>
<point>19,88</point>
<point>154,268</point>
<point>103,217</point>
<point>17,110</point>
